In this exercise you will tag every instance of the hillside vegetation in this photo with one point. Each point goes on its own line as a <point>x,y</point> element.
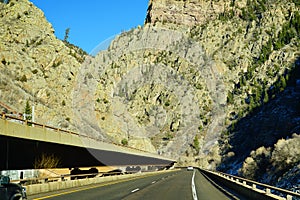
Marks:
<point>209,83</point>
<point>35,66</point>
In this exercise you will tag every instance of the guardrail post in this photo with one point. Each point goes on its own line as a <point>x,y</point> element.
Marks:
<point>257,188</point>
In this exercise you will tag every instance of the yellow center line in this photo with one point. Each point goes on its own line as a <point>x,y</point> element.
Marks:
<point>88,188</point>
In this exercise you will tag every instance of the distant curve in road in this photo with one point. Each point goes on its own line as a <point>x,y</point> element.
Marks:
<point>171,185</point>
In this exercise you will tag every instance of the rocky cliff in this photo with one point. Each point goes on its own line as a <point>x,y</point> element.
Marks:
<point>35,65</point>
<point>184,83</point>
<point>203,82</point>
<point>188,12</point>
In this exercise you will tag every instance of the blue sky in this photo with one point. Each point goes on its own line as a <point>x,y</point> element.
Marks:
<point>92,22</point>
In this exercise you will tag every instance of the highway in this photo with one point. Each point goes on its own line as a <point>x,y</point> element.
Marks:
<point>171,185</point>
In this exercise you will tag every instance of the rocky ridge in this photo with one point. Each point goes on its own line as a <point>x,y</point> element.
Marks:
<point>153,85</point>
<point>183,85</point>
<point>35,65</point>
<point>234,64</point>
<point>187,12</point>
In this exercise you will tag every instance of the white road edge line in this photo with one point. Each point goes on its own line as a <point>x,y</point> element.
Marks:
<point>193,187</point>
<point>137,189</point>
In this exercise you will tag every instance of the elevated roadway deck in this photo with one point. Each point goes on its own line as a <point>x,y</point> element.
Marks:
<point>21,146</point>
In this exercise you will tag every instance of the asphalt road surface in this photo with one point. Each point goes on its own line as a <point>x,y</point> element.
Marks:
<point>171,185</point>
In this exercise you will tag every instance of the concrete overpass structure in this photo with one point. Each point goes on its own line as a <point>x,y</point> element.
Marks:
<point>22,145</point>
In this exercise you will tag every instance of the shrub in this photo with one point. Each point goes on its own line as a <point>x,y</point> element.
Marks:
<point>56,64</point>
<point>167,103</point>
<point>23,78</point>
<point>124,142</point>
<point>105,101</point>
<point>256,165</point>
<point>230,98</point>
<point>46,161</point>
<point>266,97</point>
<point>196,144</point>
<point>35,71</point>
<point>272,161</point>
<point>286,153</point>
<point>3,61</point>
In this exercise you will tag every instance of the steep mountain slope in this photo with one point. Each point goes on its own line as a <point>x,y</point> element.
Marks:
<point>203,82</point>
<point>177,85</point>
<point>35,65</point>
<point>149,85</point>
<point>189,88</point>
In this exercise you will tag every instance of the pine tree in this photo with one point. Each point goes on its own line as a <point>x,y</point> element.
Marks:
<point>266,97</point>
<point>196,144</point>
<point>28,111</point>
<point>282,83</point>
<point>229,98</point>
<point>67,32</point>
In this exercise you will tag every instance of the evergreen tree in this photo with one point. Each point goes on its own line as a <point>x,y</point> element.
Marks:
<point>282,83</point>
<point>266,97</point>
<point>230,98</point>
<point>28,111</point>
<point>258,95</point>
<point>67,32</point>
<point>251,103</point>
<point>196,144</point>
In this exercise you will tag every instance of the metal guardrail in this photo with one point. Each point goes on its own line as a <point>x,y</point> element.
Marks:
<point>26,122</point>
<point>263,188</point>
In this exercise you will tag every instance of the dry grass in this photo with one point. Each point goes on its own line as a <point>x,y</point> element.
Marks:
<point>46,161</point>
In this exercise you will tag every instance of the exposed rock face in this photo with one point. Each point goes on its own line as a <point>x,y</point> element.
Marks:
<point>182,85</point>
<point>152,83</point>
<point>187,12</point>
<point>174,88</point>
<point>35,65</point>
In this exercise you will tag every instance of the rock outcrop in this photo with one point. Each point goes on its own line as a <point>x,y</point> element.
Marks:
<point>188,12</point>
<point>35,65</point>
<point>182,85</point>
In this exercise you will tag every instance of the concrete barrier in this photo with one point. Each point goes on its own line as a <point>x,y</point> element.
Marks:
<point>59,185</point>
